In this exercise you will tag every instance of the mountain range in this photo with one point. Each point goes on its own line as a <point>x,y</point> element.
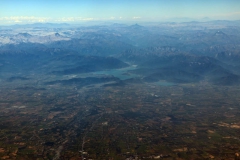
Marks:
<point>189,52</point>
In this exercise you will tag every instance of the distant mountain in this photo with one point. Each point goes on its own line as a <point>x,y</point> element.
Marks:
<point>95,46</point>
<point>136,27</point>
<point>54,61</point>
<point>75,64</point>
<point>184,68</point>
<point>220,33</point>
<point>24,35</point>
<point>179,52</point>
<point>141,55</point>
<point>230,57</point>
<point>28,38</point>
<point>41,25</point>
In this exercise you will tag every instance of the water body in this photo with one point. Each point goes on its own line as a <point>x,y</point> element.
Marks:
<point>122,73</point>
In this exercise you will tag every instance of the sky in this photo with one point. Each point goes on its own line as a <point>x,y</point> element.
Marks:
<point>76,11</point>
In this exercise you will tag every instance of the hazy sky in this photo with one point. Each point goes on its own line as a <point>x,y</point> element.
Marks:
<point>30,11</point>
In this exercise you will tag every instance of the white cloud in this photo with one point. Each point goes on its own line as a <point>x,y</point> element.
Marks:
<point>87,19</point>
<point>23,19</point>
<point>32,19</point>
<point>73,19</point>
<point>17,21</point>
<point>137,17</point>
<point>65,19</point>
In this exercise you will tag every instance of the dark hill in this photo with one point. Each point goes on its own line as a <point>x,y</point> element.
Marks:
<point>72,64</point>
<point>184,68</point>
<point>57,61</point>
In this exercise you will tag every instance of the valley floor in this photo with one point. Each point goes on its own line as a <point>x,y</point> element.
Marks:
<point>134,121</point>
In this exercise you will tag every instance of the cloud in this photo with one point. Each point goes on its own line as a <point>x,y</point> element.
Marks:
<point>137,17</point>
<point>73,19</point>
<point>87,19</point>
<point>23,19</point>
<point>32,19</point>
<point>17,21</point>
<point>65,19</point>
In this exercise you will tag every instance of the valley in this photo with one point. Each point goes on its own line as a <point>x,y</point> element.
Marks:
<point>117,91</point>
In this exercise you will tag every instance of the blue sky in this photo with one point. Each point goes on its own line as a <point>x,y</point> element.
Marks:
<point>74,11</point>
